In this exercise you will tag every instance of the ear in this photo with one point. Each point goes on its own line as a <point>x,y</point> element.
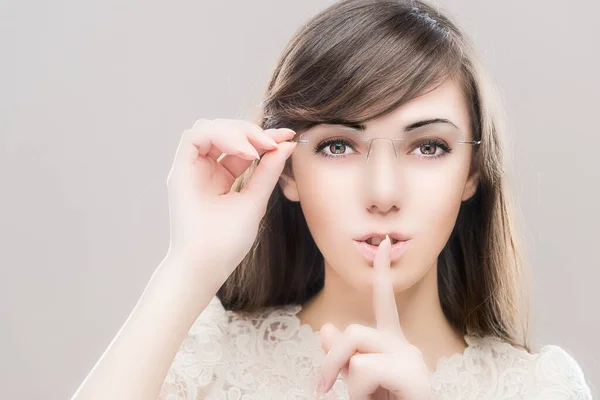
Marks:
<point>288,186</point>
<point>471,186</point>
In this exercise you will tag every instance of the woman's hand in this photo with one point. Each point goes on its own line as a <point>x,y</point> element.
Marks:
<point>213,227</point>
<point>377,363</point>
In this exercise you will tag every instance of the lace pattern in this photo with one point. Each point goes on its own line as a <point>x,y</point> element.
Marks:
<point>271,355</point>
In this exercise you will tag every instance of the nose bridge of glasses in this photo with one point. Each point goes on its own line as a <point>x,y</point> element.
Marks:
<point>379,142</point>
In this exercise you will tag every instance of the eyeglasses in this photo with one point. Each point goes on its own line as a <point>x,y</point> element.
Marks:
<point>423,146</point>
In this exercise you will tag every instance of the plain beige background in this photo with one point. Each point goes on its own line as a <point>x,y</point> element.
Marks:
<point>95,95</point>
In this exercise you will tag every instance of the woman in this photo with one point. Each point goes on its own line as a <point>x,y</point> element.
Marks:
<point>370,253</point>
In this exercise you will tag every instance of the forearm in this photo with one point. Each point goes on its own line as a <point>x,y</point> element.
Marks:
<point>136,362</point>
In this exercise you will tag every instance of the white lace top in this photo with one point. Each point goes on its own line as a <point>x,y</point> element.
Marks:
<point>273,356</point>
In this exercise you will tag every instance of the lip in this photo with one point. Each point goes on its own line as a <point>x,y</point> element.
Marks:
<point>368,251</point>
<point>393,235</point>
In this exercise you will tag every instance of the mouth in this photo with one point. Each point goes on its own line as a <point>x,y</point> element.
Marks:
<point>368,250</point>
<point>376,241</point>
<point>375,238</point>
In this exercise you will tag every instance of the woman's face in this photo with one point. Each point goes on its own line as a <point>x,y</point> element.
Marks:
<point>418,197</point>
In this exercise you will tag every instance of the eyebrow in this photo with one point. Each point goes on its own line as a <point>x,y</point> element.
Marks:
<point>407,128</point>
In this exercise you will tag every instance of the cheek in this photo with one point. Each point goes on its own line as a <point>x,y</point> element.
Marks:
<point>434,198</point>
<point>322,201</point>
<point>327,208</point>
<point>431,208</point>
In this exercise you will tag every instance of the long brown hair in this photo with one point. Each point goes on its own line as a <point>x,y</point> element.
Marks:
<point>355,61</point>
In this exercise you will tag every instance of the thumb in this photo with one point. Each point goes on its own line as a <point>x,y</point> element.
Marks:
<point>266,175</point>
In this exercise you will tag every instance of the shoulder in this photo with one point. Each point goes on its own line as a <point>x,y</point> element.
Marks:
<point>550,373</point>
<point>558,374</point>
<point>493,368</point>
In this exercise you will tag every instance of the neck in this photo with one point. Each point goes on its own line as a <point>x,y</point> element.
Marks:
<point>423,322</point>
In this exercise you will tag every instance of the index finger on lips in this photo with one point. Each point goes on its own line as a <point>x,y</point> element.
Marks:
<point>384,300</point>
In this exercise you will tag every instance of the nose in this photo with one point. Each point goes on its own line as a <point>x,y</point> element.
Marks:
<point>383,187</point>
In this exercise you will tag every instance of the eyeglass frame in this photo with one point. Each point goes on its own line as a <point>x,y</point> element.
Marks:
<point>299,141</point>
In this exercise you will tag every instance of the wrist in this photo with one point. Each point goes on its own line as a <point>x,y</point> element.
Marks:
<point>191,273</point>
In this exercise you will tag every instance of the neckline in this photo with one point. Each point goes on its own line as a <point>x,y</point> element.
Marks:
<point>441,363</point>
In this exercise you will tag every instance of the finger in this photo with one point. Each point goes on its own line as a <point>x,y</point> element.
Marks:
<point>249,132</point>
<point>268,137</point>
<point>262,138</point>
<point>330,335</point>
<point>236,165</point>
<point>370,372</point>
<point>191,156</point>
<point>246,139</point>
<point>212,138</point>
<point>206,135</point>
<point>267,173</point>
<point>356,338</point>
<point>384,301</point>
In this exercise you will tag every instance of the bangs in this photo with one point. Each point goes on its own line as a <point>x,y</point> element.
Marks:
<point>356,62</point>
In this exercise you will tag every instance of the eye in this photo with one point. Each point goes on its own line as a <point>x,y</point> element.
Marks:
<point>334,148</point>
<point>428,148</point>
